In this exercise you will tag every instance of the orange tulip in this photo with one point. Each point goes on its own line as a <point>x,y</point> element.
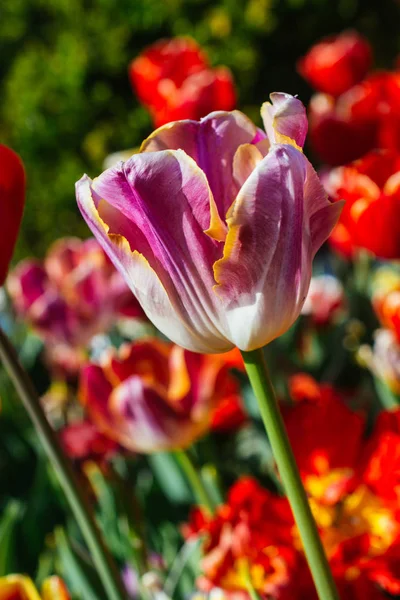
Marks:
<point>19,587</point>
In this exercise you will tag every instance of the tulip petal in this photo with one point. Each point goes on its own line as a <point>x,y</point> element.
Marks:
<point>212,143</point>
<point>142,417</point>
<point>18,587</point>
<point>27,283</point>
<point>138,196</point>
<point>12,198</point>
<point>285,120</point>
<point>273,233</point>
<point>323,214</point>
<point>132,413</point>
<point>246,159</point>
<point>54,589</point>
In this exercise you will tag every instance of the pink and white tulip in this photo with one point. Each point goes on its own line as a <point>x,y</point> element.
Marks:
<point>215,224</point>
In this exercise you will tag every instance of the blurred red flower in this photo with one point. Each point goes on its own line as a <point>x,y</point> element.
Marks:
<point>153,396</point>
<point>313,426</point>
<point>336,63</point>
<point>173,79</point>
<point>370,217</point>
<point>382,457</point>
<point>12,200</point>
<point>83,441</point>
<point>363,118</point>
<point>353,485</point>
<point>229,415</point>
<point>351,482</point>
<point>249,536</point>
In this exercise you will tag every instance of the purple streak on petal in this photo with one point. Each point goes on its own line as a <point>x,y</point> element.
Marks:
<point>160,215</point>
<point>212,143</point>
<point>144,421</point>
<point>259,137</point>
<point>265,273</point>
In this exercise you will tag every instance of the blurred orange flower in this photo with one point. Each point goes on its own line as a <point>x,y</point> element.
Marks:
<point>19,587</point>
<point>173,79</point>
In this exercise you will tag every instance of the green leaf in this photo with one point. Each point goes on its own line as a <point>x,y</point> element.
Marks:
<point>8,523</point>
<point>170,478</point>
<point>78,574</point>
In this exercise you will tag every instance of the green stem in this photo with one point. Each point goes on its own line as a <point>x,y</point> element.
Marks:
<point>259,378</point>
<point>254,595</point>
<point>252,592</point>
<point>362,264</point>
<point>196,483</point>
<point>78,502</point>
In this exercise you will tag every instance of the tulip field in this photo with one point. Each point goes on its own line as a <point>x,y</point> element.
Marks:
<point>200,300</point>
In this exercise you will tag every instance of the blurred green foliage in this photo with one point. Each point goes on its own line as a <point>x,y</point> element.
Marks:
<point>66,101</point>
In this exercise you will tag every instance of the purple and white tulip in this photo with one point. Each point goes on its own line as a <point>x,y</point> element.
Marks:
<point>214,225</point>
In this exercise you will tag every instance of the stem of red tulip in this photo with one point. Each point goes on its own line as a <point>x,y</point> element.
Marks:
<point>78,502</point>
<point>259,378</point>
<point>194,478</point>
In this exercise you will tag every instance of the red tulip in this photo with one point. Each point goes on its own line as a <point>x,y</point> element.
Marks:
<point>365,117</point>
<point>12,199</point>
<point>313,426</point>
<point>166,60</point>
<point>336,134</point>
<point>174,80</point>
<point>353,486</point>
<point>336,63</point>
<point>370,218</point>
